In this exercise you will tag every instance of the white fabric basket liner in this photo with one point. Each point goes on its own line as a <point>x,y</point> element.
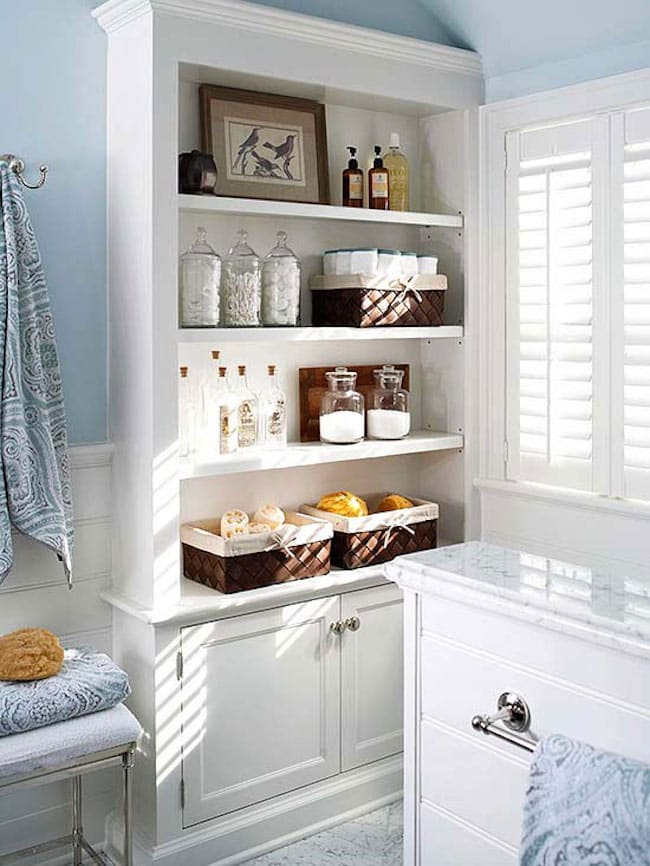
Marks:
<point>421,282</point>
<point>298,529</point>
<point>422,510</point>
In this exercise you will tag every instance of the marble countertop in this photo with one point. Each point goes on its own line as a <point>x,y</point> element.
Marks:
<point>612,609</point>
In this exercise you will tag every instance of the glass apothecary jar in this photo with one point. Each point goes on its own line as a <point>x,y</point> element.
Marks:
<point>281,285</point>
<point>241,286</point>
<point>389,416</point>
<point>341,409</point>
<point>200,276</point>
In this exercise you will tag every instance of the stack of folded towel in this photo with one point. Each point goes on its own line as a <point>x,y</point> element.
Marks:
<point>585,807</point>
<point>87,682</point>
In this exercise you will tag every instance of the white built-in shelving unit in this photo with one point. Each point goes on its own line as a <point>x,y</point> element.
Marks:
<point>192,805</point>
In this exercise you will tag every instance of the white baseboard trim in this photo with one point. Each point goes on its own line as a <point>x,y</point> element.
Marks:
<point>252,832</point>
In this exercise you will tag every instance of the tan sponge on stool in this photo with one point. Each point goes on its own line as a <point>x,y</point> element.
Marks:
<point>30,654</point>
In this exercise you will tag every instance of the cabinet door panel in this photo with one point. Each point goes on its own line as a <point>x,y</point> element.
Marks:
<point>260,706</point>
<point>372,676</point>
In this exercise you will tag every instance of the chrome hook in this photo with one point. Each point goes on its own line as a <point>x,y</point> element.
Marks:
<point>17,165</point>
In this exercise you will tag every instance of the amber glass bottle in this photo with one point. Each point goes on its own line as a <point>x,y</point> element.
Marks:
<point>353,182</point>
<point>378,191</point>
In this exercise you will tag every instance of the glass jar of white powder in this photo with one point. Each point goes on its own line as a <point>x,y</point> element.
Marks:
<point>388,406</point>
<point>341,409</point>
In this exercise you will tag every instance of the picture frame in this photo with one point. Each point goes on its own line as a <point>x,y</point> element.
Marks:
<point>265,146</point>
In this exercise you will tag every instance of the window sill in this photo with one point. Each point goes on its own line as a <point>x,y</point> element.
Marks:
<point>576,498</point>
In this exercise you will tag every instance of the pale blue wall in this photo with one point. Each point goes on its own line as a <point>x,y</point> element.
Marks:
<point>52,109</point>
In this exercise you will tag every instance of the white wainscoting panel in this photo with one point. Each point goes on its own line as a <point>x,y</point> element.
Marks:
<point>35,594</point>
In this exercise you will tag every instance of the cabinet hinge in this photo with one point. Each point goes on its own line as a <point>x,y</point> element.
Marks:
<point>179,665</point>
<point>506,452</point>
<point>182,794</point>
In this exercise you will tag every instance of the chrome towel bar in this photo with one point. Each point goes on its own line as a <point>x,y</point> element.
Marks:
<point>514,713</point>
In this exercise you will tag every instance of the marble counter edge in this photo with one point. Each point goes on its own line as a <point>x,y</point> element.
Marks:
<point>204,603</point>
<point>438,582</point>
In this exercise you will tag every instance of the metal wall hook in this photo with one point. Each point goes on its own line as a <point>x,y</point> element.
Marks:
<point>17,165</point>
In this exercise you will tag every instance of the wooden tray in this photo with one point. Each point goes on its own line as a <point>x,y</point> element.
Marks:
<point>312,383</point>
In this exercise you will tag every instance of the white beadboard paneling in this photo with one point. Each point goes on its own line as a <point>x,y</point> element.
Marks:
<point>447,841</point>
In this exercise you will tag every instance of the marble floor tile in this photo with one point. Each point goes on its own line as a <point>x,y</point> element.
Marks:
<point>373,839</point>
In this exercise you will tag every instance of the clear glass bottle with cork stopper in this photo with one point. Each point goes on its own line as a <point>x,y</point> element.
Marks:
<point>378,184</point>
<point>273,412</point>
<point>186,415</point>
<point>225,409</point>
<point>398,175</point>
<point>352,182</point>
<point>247,412</point>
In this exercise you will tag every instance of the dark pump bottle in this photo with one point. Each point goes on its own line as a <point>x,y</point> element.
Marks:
<point>353,182</point>
<point>378,192</point>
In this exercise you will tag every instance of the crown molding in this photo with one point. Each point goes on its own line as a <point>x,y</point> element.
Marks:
<point>295,25</point>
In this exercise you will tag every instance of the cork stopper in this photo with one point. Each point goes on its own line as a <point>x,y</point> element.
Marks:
<point>184,372</point>
<point>222,372</point>
<point>241,369</point>
<point>271,369</point>
<point>215,354</point>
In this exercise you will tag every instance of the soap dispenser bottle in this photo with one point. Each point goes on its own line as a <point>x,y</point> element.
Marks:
<point>378,192</point>
<point>352,182</point>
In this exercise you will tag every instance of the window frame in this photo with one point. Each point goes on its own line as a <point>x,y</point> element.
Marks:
<point>606,100</point>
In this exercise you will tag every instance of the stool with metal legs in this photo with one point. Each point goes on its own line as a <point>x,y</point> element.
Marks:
<point>120,753</point>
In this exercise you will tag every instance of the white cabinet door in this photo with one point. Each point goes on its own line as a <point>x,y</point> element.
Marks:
<point>260,712</point>
<point>371,676</point>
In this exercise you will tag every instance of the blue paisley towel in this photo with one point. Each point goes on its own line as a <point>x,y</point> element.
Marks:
<point>88,682</point>
<point>35,490</point>
<point>585,807</point>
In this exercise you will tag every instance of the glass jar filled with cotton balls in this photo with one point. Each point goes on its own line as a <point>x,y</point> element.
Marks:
<point>281,285</point>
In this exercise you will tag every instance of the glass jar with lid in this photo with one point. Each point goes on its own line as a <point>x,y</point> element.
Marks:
<point>281,285</point>
<point>341,409</point>
<point>241,286</point>
<point>388,406</point>
<point>200,276</point>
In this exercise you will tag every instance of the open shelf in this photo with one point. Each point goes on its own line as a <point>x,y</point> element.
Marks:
<point>314,335</point>
<point>261,207</point>
<point>313,453</point>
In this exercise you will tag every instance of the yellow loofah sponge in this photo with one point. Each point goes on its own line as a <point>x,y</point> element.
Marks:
<point>393,502</point>
<point>343,503</point>
<point>30,654</point>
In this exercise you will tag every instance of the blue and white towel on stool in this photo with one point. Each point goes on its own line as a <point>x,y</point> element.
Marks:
<point>88,682</point>
<point>585,807</point>
<point>35,489</point>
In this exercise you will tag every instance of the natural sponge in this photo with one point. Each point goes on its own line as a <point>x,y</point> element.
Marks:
<point>394,502</point>
<point>344,503</point>
<point>30,654</point>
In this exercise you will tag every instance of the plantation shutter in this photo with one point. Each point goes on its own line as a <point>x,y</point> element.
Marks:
<point>550,305</point>
<point>636,304</point>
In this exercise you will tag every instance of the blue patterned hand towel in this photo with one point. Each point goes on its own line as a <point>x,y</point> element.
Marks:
<point>585,807</point>
<point>35,490</point>
<point>87,683</point>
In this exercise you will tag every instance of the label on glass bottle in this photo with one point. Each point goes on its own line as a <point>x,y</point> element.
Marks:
<point>247,432</point>
<point>275,422</point>
<point>227,430</point>
<point>355,182</point>
<point>379,185</point>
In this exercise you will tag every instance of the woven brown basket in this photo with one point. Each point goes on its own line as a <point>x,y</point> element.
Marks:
<point>253,570</point>
<point>356,549</point>
<point>376,308</point>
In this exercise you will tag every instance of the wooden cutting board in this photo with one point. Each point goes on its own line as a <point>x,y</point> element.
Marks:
<point>312,384</point>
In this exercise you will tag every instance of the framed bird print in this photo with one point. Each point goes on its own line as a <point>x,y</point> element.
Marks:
<point>264,145</point>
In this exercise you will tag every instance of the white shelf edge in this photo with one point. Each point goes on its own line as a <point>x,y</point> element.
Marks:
<point>312,453</point>
<point>314,334</point>
<point>261,207</point>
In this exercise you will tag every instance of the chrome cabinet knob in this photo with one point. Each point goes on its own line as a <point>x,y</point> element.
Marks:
<point>337,627</point>
<point>353,623</point>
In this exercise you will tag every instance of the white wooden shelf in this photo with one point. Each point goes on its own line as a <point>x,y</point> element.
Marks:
<point>312,453</point>
<point>314,335</point>
<point>260,207</point>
